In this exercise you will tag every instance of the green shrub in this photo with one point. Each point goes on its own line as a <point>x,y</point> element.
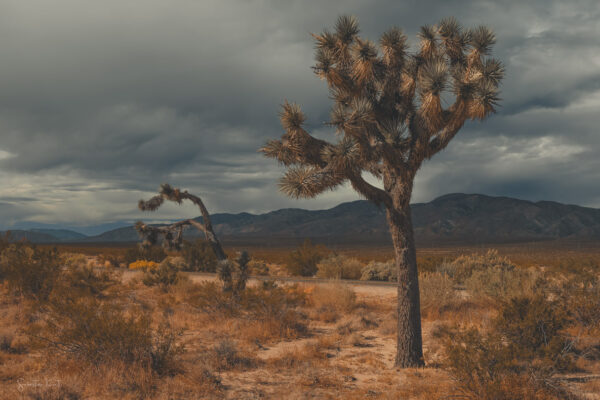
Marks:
<point>338,266</point>
<point>380,271</point>
<point>464,266</point>
<point>29,270</point>
<point>199,256</point>
<point>153,253</point>
<point>303,261</point>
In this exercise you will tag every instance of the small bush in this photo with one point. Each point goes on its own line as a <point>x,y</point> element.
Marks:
<point>270,306</point>
<point>331,301</point>
<point>437,293</point>
<point>464,266</point>
<point>199,256</point>
<point>501,283</point>
<point>99,333</point>
<point>380,271</point>
<point>166,350</point>
<point>153,253</point>
<point>484,367</point>
<point>176,262</point>
<point>163,276</point>
<point>29,270</point>
<point>429,263</point>
<point>85,280</point>
<point>533,326</point>
<point>303,261</point>
<point>228,357</point>
<point>258,268</point>
<point>580,299</point>
<point>338,266</point>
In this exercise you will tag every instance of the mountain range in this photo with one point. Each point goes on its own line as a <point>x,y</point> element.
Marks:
<point>453,218</point>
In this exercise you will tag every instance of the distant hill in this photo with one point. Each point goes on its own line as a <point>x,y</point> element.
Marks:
<point>453,218</point>
<point>45,235</point>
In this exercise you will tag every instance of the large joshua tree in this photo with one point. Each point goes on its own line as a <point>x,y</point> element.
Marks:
<point>388,109</point>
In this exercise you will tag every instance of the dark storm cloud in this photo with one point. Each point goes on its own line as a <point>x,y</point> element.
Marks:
<point>101,102</point>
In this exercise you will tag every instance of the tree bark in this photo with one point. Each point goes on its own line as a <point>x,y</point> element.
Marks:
<point>409,352</point>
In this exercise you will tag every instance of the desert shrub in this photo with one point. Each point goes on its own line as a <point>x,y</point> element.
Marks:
<point>429,263</point>
<point>228,357</point>
<point>73,260</point>
<point>271,306</point>
<point>464,266</point>
<point>534,327</point>
<point>585,268</point>
<point>209,297</point>
<point>166,350</point>
<point>153,253</point>
<point>176,262</point>
<point>332,301</point>
<point>380,271</point>
<point>581,300</point>
<point>338,266</point>
<point>85,280</point>
<point>110,260</point>
<point>9,342</point>
<point>97,333</point>
<point>303,261</point>
<point>54,390</point>
<point>258,268</point>
<point>500,283</point>
<point>164,275</point>
<point>484,367</point>
<point>29,270</point>
<point>437,292</point>
<point>199,256</point>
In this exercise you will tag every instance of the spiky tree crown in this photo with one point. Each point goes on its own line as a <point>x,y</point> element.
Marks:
<point>387,105</point>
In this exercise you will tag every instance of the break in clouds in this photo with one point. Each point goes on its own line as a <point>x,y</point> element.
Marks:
<point>100,102</point>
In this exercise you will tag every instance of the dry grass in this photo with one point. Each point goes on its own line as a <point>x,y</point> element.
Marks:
<point>289,341</point>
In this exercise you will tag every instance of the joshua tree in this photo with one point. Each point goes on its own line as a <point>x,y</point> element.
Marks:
<point>173,234</point>
<point>387,108</point>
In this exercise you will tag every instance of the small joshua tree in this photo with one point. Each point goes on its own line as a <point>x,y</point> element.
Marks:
<point>234,277</point>
<point>387,108</point>
<point>173,234</point>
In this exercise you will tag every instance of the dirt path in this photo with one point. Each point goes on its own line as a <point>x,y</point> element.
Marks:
<point>363,288</point>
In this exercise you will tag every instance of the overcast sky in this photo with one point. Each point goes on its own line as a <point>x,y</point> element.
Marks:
<point>101,101</point>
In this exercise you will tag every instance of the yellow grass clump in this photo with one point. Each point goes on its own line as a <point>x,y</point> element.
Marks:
<point>143,264</point>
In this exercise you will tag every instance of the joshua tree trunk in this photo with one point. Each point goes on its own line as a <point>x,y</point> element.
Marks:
<point>409,351</point>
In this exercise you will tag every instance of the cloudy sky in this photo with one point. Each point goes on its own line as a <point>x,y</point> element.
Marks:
<point>101,101</point>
